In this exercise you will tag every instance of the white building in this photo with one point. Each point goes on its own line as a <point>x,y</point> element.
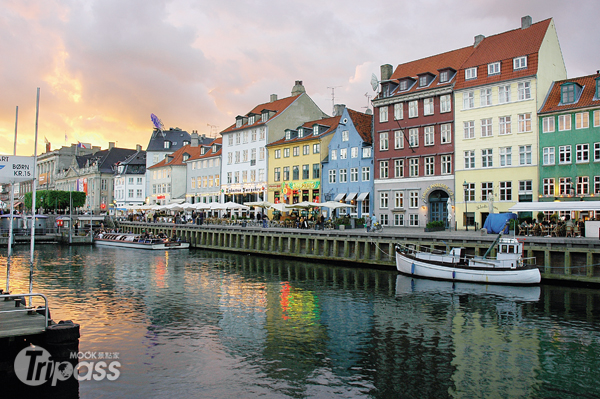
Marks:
<point>130,180</point>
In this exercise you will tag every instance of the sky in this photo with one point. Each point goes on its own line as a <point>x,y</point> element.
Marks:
<point>103,66</point>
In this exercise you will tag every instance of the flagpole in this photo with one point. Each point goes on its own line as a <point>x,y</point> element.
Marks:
<point>12,216</point>
<point>37,112</point>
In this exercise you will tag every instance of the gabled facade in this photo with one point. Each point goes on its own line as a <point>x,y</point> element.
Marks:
<point>414,140</point>
<point>498,91</point>
<point>569,131</point>
<point>244,155</point>
<point>348,162</point>
<point>204,174</point>
<point>130,180</point>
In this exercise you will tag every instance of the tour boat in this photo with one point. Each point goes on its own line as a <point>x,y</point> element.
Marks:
<point>509,267</point>
<point>137,241</point>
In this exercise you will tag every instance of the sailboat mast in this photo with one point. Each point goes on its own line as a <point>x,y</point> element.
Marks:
<point>12,213</point>
<point>34,187</point>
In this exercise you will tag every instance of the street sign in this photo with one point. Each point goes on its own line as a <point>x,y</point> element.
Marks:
<point>15,169</point>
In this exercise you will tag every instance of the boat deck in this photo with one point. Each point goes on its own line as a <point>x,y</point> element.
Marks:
<point>19,323</point>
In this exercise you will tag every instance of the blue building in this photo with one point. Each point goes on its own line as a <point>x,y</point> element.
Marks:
<point>348,168</point>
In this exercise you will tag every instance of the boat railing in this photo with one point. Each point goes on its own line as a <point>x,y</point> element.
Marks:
<point>530,261</point>
<point>414,248</point>
<point>20,298</point>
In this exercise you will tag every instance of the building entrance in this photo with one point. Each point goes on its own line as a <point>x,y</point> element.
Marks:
<point>438,205</point>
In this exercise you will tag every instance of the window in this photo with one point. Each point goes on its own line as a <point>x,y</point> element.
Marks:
<point>446,164</point>
<point>596,184</point>
<point>354,152</point>
<point>469,193</point>
<point>494,68</point>
<point>524,89</point>
<point>316,148</point>
<point>428,135</point>
<point>261,155</point>
<point>582,120</point>
<point>229,177</point>
<point>245,155</point>
<point>444,76</point>
<point>445,133</point>
<point>413,220</point>
<point>383,170</point>
<point>429,166</point>
<point>548,156</point>
<point>353,174</point>
<point>445,103</point>
<point>505,156</point>
<point>567,93</point>
<point>487,158</point>
<point>383,199</point>
<point>366,153</point>
<point>383,141</point>
<point>505,191</point>
<point>504,94</point>
<point>413,137</point>
<point>564,154</point>
<point>505,125</point>
<point>383,114</point>
<point>316,127</point>
<point>548,124</point>
<point>238,138</point>
<point>520,62</point>
<point>399,199</point>
<point>597,117</point>
<point>316,171</point>
<point>582,153</point>
<point>485,97</point>
<point>398,219</point>
<point>343,153</point>
<point>398,139</point>
<point>583,185</point>
<point>469,129</point>
<point>276,174</point>
<point>596,152</point>
<point>525,155</point>
<point>524,123</point>
<point>565,187</point>
<point>469,159</point>
<point>343,175</point>
<point>333,155</point>
<point>564,122</point>
<point>486,127</point>
<point>306,150</point>
<point>398,111</point>
<point>428,106</point>
<point>366,173</point>
<point>413,167</point>
<point>332,176</point>
<point>525,191</point>
<point>468,100</point>
<point>470,73</point>
<point>277,154</point>
<point>236,177</point>
<point>286,173</point>
<point>230,139</point>
<point>286,152</point>
<point>404,85</point>
<point>413,109</point>
<point>296,151</point>
<point>548,186</point>
<point>305,172</point>
<point>398,168</point>
<point>413,199</point>
<point>423,81</point>
<point>487,191</point>
<point>345,135</point>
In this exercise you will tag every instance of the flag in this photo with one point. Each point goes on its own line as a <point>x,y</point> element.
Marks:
<point>46,140</point>
<point>66,138</point>
<point>80,145</point>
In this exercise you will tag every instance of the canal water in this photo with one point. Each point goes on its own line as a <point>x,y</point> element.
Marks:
<point>217,325</point>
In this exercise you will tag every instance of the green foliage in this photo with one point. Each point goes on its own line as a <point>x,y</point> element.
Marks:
<point>436,224</point>
<point>52,199</point>
<point>540,216</point>
<point>345,220</point>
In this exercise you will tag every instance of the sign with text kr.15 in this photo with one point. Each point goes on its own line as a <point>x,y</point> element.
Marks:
<point>15,169</point>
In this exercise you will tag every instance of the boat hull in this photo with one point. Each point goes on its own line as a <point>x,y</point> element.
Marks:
<point>139,245</point>
<point>416,267</point>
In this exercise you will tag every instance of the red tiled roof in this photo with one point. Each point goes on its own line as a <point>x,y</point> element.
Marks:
<point>503,47</point>
<point>331,122</point>
<point>209,153</point>
<point>177,156</point>
<point>586,99</point>
<point>277,106</point>
<point>363,124</point>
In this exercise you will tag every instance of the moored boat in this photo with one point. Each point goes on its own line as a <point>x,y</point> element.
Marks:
<point>126,240</point>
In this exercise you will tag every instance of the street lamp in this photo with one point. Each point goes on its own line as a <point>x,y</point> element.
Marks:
<point>465,187</point>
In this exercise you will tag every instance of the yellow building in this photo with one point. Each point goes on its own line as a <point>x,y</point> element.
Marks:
<point>497,94</point>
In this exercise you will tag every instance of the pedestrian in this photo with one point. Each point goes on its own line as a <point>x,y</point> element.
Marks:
<point>265,221</point>
<point>368,223</point>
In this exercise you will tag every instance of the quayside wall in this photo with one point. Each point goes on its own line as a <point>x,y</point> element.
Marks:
<point>572,259</point>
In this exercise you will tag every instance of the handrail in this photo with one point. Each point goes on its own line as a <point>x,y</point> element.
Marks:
<point>26,308</point>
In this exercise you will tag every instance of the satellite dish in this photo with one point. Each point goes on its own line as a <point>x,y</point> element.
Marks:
<point>157,122</point>
<point>374,82</point>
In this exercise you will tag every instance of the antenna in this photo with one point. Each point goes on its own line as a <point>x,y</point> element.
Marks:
<point>374,82</point>
<point>333,98</point>
<point>368,100</point>
<point>213,129</point>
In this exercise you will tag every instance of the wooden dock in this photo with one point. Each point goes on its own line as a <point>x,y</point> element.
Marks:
<point>19,321</point>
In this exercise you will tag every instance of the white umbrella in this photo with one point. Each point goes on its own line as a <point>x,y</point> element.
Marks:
<point>187,206</point>
<point>201,206</point>
<point>336,205</point>
<point>304,205</point>
<point>259,204</point>
<point>157,207</point>
<point>174,207</point>
<point>233,205</point>
<point>280,207</point>
<point>217,206</point>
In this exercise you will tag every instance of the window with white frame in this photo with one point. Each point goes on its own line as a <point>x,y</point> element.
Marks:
<point>404,85</point>
<point>446,164</point>
<point>383,169</point>
<point>263,133</point>
<point>261,154</point>
<point>413,220</point>
<point>334,155</point>
<point>398,111</point>
<point>238,138</point>
<point>245,156</point>
<point>366,173</point>
<point>237,157</point>
<point>494,68</point>
<point>470,73</point>
<point>286,152</point>
<point>505,191</point>
<point>428,106</point>
<point>485,97</point>
<point>264,116</point>
<point>429,166</point>
<point>504,94</point>
<point>413,109</point>
<point>564,154</point>
<point>353,174</point>
<point>596,184</point>
<point>564,122</point>
<point>306,149</point>
<point>597,118</point>
<point>548,156</point>
<point>565,186</point>
<point>277,174</point>
<point>596,152</point>
<point>399,199</point>
<point>332,176</point>
<point>583,185</point>
<point>413,199</point>
<point>343,175</point>
<point>230,139</point>
<point>254,134</point>
<point>354,152</point>
<point>487,191</point>
<point>505,125</point>
<point>446,133</point>
<point>444,76</point>
<point>524,122</point>
<point>413,169</point>
<point>582,120</point>
<point>398,219</point>
<point>524,90</point>
<point>383,199</point>
<point>345,135</point>
<point>468,99</point>
<point>229,158</point>
<point>296,151</point>
<point>428,135</point>
<point>383,113</point>
<point>486,127</point>
<point>236,177</point>
<point>582,153</point>
<point>229,177</point>
<point>398,139</point>
<point>343,153</point>
<point>548,186</point>
<point>548,124</point>
<point>399,168</point>
<point>525,155</point>
<point>469,157</point>
<point>520,62</point>
<point>316,127</point>
<point>413,137</point>
<point>469,129</point>
<point>366,152</point>
<point>286,174</point>
<point>525,190</point>
<point>445,103</point>
<point>487,158</point>
<point>316,148</point>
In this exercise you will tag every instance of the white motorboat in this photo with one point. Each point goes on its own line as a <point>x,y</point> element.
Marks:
<point>125,240</point>
<point>509,266</point>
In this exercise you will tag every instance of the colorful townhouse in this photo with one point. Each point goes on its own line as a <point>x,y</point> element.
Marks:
<point>348,162</point>
<point>204,174</point>
<point>414,140</point>
<point>498,91</point>
<point>295,162</point>
<point>244,155</point>
<point>569,137</point>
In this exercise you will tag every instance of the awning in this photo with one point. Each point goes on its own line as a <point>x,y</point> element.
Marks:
<point>362,196</point>
<point>556,206</point>
<point>350,196</point>
<point>339,197</point>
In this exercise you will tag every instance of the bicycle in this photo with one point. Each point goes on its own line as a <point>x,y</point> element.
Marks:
<point>377,228</point>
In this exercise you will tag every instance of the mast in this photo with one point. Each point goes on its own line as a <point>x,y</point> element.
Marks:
<point>32,247</point>
<point>12,212</point>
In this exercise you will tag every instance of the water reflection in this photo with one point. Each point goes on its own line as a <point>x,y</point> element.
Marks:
<point>210,324</point>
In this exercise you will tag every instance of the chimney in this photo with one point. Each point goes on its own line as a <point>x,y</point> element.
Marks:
<point>138,147</point>
<point>273,98</point>
<point>194,142</point>
<point>111,144</point>
<point>525,22</point>
<point>298,88</point>
<point>386,72</point>
<point>478,39</point>
<point>338,109</point>
<point>48,147</point>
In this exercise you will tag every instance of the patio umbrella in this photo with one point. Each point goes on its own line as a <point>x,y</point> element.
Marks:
<point>174,207</point>
<point>280,207</point>
<point>233,205</point>
<point>217,206</point>
<point>336,205</point>
<point>187,206</point>
<point>201,206</point>
<point>259,204</point>
<point>158,207</point>
<point>304,205</point>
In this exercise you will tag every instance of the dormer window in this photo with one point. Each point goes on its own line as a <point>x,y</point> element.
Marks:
<point>186,157</point>
<point>315,130</point>
<point>251,120</point>
<point>520,62</point>
<point>264,116</point>
<point>444,76</point>
<point>597,88</point>
<point>494,68</point>
<point>385,90</point>
<point>423,81</point>
<point>202,151</point>
<point>167,144</point>
<point>214,148</point>
<point>471,73</point>
<point>185,142</point>
<point>300,132</point>
<point>238,122</point>
<point>288,134</point>
<point>404,85</point>
<point>567,93</point>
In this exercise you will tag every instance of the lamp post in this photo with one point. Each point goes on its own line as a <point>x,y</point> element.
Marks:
<point>465,187</point>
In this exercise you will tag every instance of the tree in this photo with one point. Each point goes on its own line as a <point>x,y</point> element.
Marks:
<point>51,199</point>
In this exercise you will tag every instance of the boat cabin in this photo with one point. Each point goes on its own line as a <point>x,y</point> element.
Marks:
<point>509,248</point>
